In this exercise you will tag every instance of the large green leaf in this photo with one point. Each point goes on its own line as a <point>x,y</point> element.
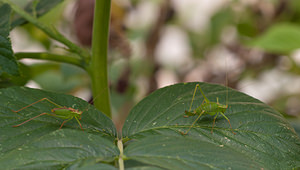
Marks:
<point>263,139</point>
<point>8,63</point>
<point>40,142</point>
<point>280,38</point>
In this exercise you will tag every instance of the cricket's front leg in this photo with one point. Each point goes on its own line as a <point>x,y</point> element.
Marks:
<point>65,122</point>
<point>79,122</point>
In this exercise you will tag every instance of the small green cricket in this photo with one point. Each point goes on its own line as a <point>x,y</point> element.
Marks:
<point>206,107</point>
<point>62,112</point>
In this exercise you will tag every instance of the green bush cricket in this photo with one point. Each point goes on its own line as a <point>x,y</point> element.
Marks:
<point>62,112</point>
<point>206,107</point>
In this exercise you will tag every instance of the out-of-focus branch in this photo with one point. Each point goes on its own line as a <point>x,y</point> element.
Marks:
<point>165,14</point>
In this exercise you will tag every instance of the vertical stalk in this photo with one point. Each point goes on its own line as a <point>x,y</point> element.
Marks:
<point>98,65</point>
<point>121,161</point>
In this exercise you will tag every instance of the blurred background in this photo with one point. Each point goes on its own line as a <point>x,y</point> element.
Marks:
<point>249,45</point>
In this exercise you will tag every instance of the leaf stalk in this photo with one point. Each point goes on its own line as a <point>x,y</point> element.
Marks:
<point>52,57</point>
<point>49,30</point>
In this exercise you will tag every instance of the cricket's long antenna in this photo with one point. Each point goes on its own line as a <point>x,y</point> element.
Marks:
<point>226,81</point>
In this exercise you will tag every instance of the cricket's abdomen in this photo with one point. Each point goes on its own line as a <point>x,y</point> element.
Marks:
<point>211,108</point>
<point>66,113</point>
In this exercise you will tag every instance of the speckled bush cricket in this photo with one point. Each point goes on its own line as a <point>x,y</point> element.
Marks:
<point>62,112</point>
<point>206,107</point>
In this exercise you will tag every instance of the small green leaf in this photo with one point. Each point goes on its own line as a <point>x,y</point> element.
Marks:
<point>7,80</point>
<point>8,62</point>
<point>40,142</point>
<point>263,139</point>
<point>41,8</point>
<point>280,38</point>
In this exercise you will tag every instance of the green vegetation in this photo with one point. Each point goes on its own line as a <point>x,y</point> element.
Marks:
<point>151,137</point>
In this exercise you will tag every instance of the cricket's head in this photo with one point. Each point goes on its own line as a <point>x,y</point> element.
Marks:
<point>187,113</point>
<point>76,111</point>
<point>79,114</point>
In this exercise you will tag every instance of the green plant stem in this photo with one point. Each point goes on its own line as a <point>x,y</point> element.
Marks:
<point>98,67</point>
<point>121,161</point>
<point>52,57</point>
<point>49,30</point>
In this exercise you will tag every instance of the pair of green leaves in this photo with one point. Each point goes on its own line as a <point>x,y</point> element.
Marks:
<point>264,139</point>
